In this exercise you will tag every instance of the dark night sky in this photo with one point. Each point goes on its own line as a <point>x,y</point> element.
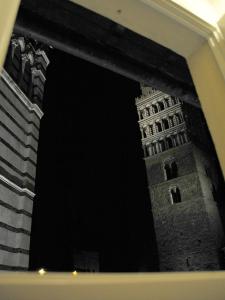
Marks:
<point>91,183</point>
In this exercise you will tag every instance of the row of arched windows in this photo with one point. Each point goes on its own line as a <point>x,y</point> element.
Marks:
<point>168,142</point>
<point>161,125</point>
<point>151,109</point>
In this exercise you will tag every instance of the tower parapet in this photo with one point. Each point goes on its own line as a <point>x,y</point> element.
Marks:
<point>27,63</point>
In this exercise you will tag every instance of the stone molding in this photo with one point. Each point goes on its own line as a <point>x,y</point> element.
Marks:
<point>16,187</point>
<point>23,98</point>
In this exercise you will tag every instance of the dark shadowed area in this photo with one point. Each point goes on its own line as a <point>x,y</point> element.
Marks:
<point>91,187</point>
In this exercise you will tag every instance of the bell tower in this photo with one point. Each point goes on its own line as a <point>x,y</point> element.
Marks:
<point>182,182</point>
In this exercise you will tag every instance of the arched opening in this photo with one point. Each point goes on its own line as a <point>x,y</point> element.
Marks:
<point>175,195</point>
<point>161,106</point>
<point>165,124</point>
<point>169,142</point>
<point>171,170</point>
<point>174,169</point>
<point>148,110</point>
<point>155,108</point>
<point>167,102</point>
<point>158,126</point>
<point>167,171</point>
<point>174,100</point>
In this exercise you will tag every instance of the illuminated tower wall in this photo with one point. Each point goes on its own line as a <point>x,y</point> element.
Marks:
<point>182,181</point>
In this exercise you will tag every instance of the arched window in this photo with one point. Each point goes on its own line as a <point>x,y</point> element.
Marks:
<point>169,142</point>
<point>155,108</point>
<point>174,169</point>
<point>165,123</point>
<point>167,171</point>
<point>167,102</point>
<point>171,170</point>
<point>148,110</point>
<point>158,126</point>
<point>161,105</point>
<point>174,100</point>
<point>175,195</point>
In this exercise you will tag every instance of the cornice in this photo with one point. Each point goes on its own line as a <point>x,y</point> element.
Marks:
<point>16,187</point>
<point>154,96</point>
<point>23,98</point>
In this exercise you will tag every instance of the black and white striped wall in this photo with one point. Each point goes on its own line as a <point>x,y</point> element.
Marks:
<point>21,92</point>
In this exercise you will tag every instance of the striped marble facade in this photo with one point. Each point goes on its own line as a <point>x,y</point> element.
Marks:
<point>21,92</point>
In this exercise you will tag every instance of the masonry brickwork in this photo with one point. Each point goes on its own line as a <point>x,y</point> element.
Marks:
<point>182,181</point>
<point>21,91</point>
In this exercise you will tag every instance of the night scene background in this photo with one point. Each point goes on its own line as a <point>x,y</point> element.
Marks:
<point>91,186</point>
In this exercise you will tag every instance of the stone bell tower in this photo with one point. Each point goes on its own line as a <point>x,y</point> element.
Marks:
<point>182,182</point>
<point>21,91</point>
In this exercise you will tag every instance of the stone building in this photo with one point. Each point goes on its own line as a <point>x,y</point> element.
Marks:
<point>21,92</point>
<point>182,181</point>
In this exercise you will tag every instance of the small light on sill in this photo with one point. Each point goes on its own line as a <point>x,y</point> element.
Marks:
<point>74,272</point>
<point>42,271</point>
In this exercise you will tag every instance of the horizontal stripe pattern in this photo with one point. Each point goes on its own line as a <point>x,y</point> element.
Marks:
<point>24,174</point>
<point>17,124</point>
<point>17,138</point>
<point>17,181</point>
<point>24,158</point>
<point>14,250</point>
<point>14,209</point>
<point>17,190</point>
<point>29,122</point>
<point>12,268</point>
<point>14,229</point>
<point>29,106</point>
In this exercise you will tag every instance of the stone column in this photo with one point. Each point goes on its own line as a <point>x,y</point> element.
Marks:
<point>139,114</point>
<point>186,137</point>
<point>144,150</point>
<point>151,110</point>
<point>150,149</point>
<point>142,133</point>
